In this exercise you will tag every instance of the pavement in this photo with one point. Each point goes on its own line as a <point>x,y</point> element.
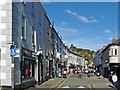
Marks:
<point>51,84</point>
<point>100,83</point>
<point>117,85</point>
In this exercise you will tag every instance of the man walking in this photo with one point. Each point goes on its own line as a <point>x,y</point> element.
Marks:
<point>114,79</point>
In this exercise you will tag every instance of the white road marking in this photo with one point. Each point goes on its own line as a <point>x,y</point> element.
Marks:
<point>80,87</point>
<point>65,87</point>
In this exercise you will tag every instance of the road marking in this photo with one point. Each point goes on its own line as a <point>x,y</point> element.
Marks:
<point>63,81</point>
<point>80,87</point>
<point>65,87</point>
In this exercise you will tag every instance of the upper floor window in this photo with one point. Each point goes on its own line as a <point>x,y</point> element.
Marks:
<point>40,18</point>
<point>33,10</point>
<point>23,1</point>
<point>24,26</point>
<point>113,52</point>
<point>116,52</point>
<point>33,36</point>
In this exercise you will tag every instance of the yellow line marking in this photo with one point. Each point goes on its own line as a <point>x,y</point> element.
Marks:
<point>63,82</point>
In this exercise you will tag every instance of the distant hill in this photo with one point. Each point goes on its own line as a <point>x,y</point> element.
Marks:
<point>88,54</point>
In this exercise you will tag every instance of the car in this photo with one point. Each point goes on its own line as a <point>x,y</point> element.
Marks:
<point>91,72</point>
<point>86,71</point>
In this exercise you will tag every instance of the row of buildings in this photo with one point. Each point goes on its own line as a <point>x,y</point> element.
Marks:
<point>26,30</point>
<point>107,59</point>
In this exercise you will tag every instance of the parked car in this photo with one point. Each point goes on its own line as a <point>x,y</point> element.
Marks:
<point>91,72</point>
<point>86,71</point>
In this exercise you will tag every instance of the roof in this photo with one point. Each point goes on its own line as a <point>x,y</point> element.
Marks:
<point>111,44</point>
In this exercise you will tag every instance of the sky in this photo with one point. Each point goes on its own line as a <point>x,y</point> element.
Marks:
<point>88,25</point>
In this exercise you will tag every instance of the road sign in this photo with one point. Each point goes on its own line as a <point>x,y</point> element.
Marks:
<point>17,53</point>
<point>13,50</point>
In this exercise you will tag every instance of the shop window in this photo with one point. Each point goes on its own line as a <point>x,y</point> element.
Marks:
<point>27,68</point>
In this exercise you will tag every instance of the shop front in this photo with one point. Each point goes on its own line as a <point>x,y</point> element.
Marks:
<point>106,70</point>
<point>115,68</point>
<point>28,62</point>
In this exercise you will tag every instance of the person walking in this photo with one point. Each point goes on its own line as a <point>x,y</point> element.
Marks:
<point>80,74</point>
<point>114,79</point>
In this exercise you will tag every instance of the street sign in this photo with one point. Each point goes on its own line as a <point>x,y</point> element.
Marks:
<point>12,50</point>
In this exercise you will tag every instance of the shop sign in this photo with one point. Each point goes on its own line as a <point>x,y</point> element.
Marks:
<point>28,53</point>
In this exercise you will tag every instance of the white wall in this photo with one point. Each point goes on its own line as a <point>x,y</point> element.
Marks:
<point>5,40</point>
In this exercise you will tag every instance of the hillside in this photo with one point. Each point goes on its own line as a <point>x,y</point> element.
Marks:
<point>88,54</point>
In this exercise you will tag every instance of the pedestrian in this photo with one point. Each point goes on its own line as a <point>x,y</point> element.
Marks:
<point>73,71</point>
<point>59,72</point>
<point>114,79</point>
<point>88,74</point>
<point>80,74</point>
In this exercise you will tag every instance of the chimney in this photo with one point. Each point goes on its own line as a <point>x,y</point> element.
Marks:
<point>115,40</point>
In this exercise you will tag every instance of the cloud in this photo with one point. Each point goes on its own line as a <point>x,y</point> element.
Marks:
<point>81,18</point>
<point>63,23</point>
<point>112,33</point>
<point>110,38</point>
<point>67,29</point>
<point>67,32</point>
<point>108,31</point>
<point>70,12</point>
<point>94,20</point>
<point>48,1</point>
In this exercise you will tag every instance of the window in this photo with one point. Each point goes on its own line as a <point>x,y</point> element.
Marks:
<point>33,10</point>
<point>27,68</point>
<point>116,52</point>
<point>32,35</point>
<point>113,52</point>
<point>23,1</point>
<point>24,26</point>
<point>40,18</point>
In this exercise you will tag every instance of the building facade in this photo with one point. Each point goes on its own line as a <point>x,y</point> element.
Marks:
<point>110,59</point>
<point>25,30</point>
<point>31,51</point>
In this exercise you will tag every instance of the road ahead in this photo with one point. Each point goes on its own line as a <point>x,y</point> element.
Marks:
<point>91,83</point>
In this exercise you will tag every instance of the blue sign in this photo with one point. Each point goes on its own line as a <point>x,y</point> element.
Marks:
<point>13,50</point>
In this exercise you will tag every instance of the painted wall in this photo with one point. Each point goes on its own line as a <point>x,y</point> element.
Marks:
<point>5,41</point>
